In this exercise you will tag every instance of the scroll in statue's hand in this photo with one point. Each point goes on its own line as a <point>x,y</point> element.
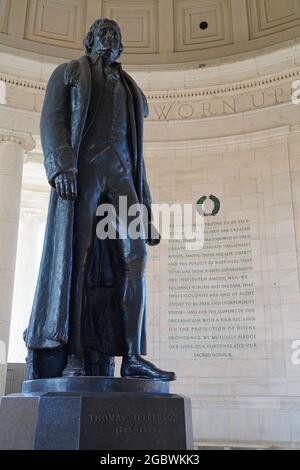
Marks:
<point>154,236</point>
<point>66,185</point>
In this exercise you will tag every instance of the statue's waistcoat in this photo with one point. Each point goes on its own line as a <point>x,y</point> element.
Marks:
<point>107,124</point>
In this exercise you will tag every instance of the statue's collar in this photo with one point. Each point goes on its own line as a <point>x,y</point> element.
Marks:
<point>112,71</point>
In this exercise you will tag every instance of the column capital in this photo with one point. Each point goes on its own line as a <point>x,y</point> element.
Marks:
<point>24,139</point>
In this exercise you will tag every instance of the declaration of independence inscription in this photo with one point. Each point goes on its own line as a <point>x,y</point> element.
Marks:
<point>211,293</point>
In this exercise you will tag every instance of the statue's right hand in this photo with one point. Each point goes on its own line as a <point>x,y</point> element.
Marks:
<point>66,185</point>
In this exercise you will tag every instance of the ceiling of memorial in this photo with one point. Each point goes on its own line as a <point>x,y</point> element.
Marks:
<point>155,31</point>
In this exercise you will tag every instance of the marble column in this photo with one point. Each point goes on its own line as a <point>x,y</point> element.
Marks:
<point>12,150</point>
<point>30,243</point>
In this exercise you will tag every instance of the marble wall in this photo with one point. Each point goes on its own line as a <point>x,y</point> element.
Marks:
<point>241,318</point>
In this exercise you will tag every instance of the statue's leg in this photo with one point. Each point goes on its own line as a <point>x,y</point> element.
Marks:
<point>98,364</point>
<point>132,256</point>
<point>133,296</point>
<point>83,233</point>
<point>132,302</point>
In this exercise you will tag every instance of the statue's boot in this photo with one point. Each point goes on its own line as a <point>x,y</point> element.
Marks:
<point>133,302</point>
<point>75,367</point>
<point>136,366</point>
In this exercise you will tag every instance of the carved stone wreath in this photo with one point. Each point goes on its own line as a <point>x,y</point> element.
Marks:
<point>200,206</point>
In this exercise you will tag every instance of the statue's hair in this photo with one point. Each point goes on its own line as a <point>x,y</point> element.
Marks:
<point>89,39</point>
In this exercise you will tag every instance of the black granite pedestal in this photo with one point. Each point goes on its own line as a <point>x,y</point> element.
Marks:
<point>99,413</point>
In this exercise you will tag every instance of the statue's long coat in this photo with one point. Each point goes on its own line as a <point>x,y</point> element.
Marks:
<point>62,124</point>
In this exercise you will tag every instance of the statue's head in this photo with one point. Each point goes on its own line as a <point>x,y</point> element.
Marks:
<point>104,38</point>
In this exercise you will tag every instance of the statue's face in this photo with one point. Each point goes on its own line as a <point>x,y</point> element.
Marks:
<point>107,41</point>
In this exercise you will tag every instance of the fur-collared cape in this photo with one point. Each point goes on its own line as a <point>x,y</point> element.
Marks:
<point>62,124</point>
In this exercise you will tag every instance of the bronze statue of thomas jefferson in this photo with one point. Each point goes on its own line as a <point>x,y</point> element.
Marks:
<point>89,303</point>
